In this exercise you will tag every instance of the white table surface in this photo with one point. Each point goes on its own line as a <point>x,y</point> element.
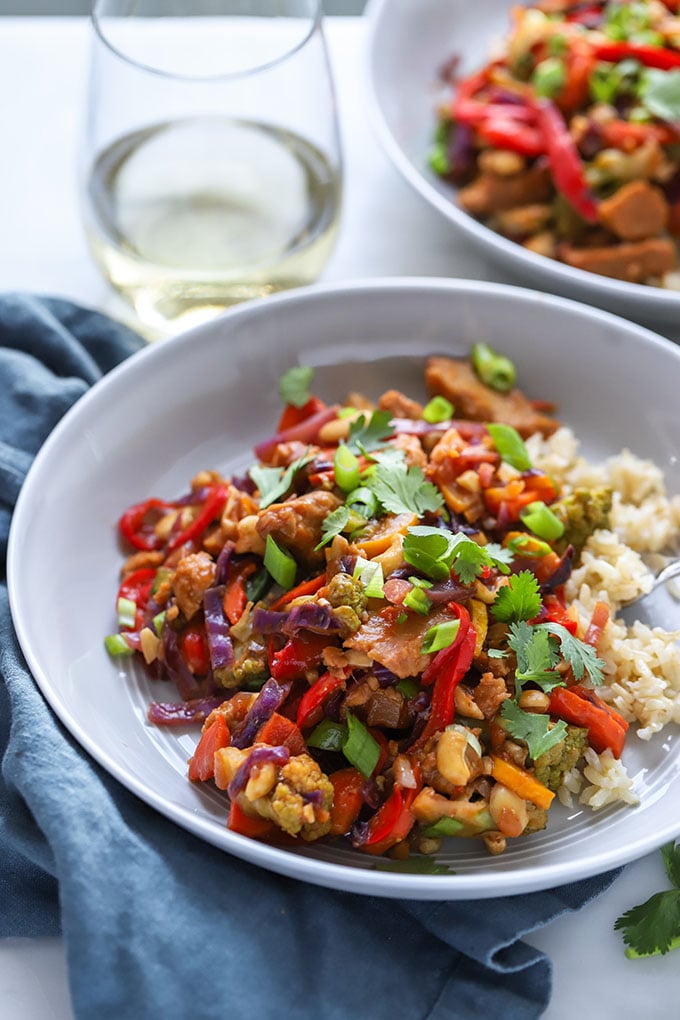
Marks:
<point>387,230</point>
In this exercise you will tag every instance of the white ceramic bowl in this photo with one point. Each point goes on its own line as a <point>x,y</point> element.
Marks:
<point>408,43</point>
<point>202,400</point>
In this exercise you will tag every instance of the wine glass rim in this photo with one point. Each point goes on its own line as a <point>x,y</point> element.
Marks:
<point>315,19</point>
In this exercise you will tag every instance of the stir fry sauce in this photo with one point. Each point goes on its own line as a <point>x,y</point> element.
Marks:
<point>567,140</point>
<point>369,627</point>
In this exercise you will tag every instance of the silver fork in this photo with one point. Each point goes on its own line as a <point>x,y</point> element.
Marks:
<point>659,607</point>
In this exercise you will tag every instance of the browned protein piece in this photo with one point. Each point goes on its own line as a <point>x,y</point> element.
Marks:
<point>398,646</point>
<point>456,380</point>
<point>401,406</point>
<point>296,524</point>
<point>632,261</point>
<point>637,210</point>
<point>493,193</point>
<point>194,575</point>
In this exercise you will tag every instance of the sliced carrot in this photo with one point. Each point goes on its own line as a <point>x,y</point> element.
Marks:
<point>215,736</point>
<point>348,799</point>
<point>279,731</point>
<point>309,587</point>
<point>521,782</point>
<point>246,825</point>
<point>382,535</point>
<point>581,707</point>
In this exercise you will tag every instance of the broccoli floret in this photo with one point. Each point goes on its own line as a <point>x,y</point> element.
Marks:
<point>552,766</point>
<point>250,669</point>
<point>582,513</point>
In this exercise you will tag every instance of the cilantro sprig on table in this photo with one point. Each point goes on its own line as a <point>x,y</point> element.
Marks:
<point>653,928</point>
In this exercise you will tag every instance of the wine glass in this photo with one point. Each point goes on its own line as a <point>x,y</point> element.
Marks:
<point>211,167</point>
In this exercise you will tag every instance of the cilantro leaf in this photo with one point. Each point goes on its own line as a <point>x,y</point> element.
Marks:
<point>671,859</point>
<point>501,557</point>
<point>404,490</point>
<point>537,655</point>
<point>273,482</point>
<point>366,434</point>
<point>581,657</point>
<point>469,559</point>
<point>333,524</point>
<point>535,730</point>
<point>519,599</point>
<point>653,927</point>
<point>659,92</point>
<point>294,385</point>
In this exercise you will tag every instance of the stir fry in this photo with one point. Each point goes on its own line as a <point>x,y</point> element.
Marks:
<point>370,625</point>
<point>567,141</point>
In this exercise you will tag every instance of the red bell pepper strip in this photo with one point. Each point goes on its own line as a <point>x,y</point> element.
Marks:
<point>582,707</point>
<point>137,529</point>
<point>394,819</point>
<point>279,731</point>
<point>293,415</point>
<point>650,56</point>
<point>566,165</point>
<point>193,645</point>
<point>348,785</point>
<point>213,737</point>
<point>298,656</point>
<point>466,109</point>
<point>309,709</point>
<point>310,587</point>
<point>505,133</point>
<point>580,62</point>
<point>212,509</point>
<point>137,587</point>
<point>556,612</point>
<point>447,669</point>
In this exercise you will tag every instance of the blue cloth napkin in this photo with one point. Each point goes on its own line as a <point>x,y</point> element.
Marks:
<point>156,922</point>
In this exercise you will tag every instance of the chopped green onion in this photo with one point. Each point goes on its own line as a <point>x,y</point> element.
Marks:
<point>418,601</point>
<point>527,545</point>
<point>162,574</point>
<point>158,621</point>
<point>420,582</point>
<point>280,564</point>
<point>540,519</point>
<point>328,736</point>
<point>439,160</point>
<point>408,688</point>
<point>445,826</point>
<point>347,412</point>
<point>548,77</point>
<point>359,747</point>
<point>510,445</point>
<point>257,584</point>
<point>494,369</point>
<point>346,468</point>
<point>363,500</point>
<point>116,644</point>
<point>402,618</point>
<point>437,410</point>
<point>557,45</point>
<point>370,573</point>
<point>440,636</point>
<point>127,611</point>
